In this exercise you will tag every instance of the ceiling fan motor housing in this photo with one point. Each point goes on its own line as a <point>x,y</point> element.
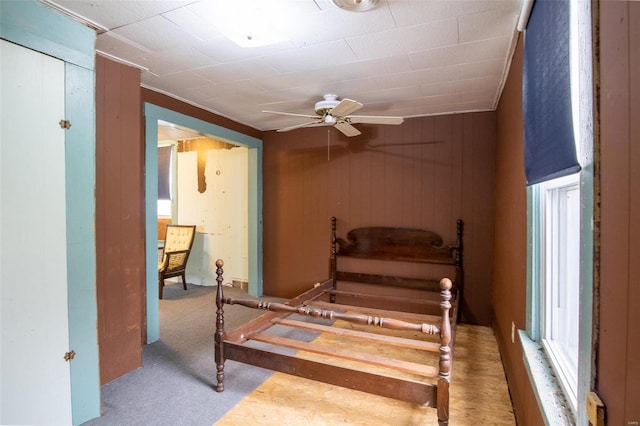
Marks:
<point>329,102</point>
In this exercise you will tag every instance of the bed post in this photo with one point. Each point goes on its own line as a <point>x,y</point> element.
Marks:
<point>332,259</point>
<point>444,376</point>
<point>219,329</point>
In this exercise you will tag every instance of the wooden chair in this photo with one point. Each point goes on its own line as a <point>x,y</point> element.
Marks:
<point>177,246</point>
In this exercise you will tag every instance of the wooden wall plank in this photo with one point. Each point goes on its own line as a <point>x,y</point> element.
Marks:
<point>428,175</point>
<point>483,177</point>
<point>615,209</point>
<point>119,218</point>
<point>632,391</point>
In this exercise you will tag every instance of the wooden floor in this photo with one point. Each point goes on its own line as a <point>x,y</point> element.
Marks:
<point>479,395</point>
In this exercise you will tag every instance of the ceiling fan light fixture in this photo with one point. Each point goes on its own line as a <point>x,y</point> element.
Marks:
<point>330,119</point>
<point>355,5</point>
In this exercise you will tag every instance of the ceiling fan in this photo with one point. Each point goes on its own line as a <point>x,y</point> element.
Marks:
<point>334,112</point>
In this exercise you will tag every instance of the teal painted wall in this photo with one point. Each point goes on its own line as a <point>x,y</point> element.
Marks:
<point>36,26</point>
<point>81,246</point>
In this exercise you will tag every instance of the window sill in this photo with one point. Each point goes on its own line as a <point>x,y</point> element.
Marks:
<point>554,409</point>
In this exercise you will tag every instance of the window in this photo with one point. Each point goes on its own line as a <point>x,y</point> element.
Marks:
<point>560,281</point>
<point>165,180</point>
<point>557,342</point>
<point>164,208</point>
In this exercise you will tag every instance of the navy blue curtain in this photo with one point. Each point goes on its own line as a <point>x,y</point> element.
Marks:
<point>549,148</point>
<point>164,173</point>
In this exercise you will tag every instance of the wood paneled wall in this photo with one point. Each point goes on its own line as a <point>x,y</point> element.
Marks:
<point>510,271</point>
<point>119,218</point>
<point>618,357</point>
<point>425,173</point>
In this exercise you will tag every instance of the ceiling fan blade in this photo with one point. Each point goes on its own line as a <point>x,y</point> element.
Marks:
<point>345,107</point>
<point>291,114</point>
<point>374,119</point>
<point>297,126</point>
<point>347,129</point>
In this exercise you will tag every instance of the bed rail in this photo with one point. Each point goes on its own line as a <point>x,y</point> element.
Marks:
<point>390,323</point>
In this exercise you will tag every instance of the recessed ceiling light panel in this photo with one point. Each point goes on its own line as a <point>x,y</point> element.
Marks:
<point>251,23</point>
<point>355,5</point>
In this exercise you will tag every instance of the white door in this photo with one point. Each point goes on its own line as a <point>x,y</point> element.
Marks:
<point>34,332</point>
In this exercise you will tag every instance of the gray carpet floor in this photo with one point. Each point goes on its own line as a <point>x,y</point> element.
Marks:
<point>175,384</point>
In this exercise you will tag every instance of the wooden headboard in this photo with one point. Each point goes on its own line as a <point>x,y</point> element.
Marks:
<point>395,244</point>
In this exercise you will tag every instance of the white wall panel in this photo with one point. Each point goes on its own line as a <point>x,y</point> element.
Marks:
<point>33,263</point>
<point>220,213</point>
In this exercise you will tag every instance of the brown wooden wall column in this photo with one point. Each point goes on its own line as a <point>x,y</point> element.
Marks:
<point>119,218</point>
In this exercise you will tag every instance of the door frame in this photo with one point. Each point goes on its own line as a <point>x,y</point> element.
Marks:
<point>153,113</point>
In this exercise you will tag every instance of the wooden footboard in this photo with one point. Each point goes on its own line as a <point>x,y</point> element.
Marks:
<point>335,365</point>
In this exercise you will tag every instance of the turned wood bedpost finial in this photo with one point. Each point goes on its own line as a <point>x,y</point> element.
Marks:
<point>219,328</point>
<point>219,294</point>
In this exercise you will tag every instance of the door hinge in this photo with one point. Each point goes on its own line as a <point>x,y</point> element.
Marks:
<point>65,124</point>
<point>69,355</point>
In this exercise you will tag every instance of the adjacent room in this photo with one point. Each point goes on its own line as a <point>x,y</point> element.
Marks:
<point>356,212</point>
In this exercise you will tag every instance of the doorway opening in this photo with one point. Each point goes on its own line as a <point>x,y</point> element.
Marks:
<point>237,151</point>
<point>202,181</point>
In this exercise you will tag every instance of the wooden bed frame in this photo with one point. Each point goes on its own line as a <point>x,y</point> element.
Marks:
<point>423,309</point>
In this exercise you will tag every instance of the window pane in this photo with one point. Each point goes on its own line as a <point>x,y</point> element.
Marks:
<point>565,330</point>
<point>561,287</point>
<point>164,208</point>
<point>164,172</point>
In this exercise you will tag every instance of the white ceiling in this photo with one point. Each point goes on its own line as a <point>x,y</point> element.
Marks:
<point>406,58</point>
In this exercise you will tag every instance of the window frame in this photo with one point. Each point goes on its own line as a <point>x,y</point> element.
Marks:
<point>553,251</point>
<point>548,389</point>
